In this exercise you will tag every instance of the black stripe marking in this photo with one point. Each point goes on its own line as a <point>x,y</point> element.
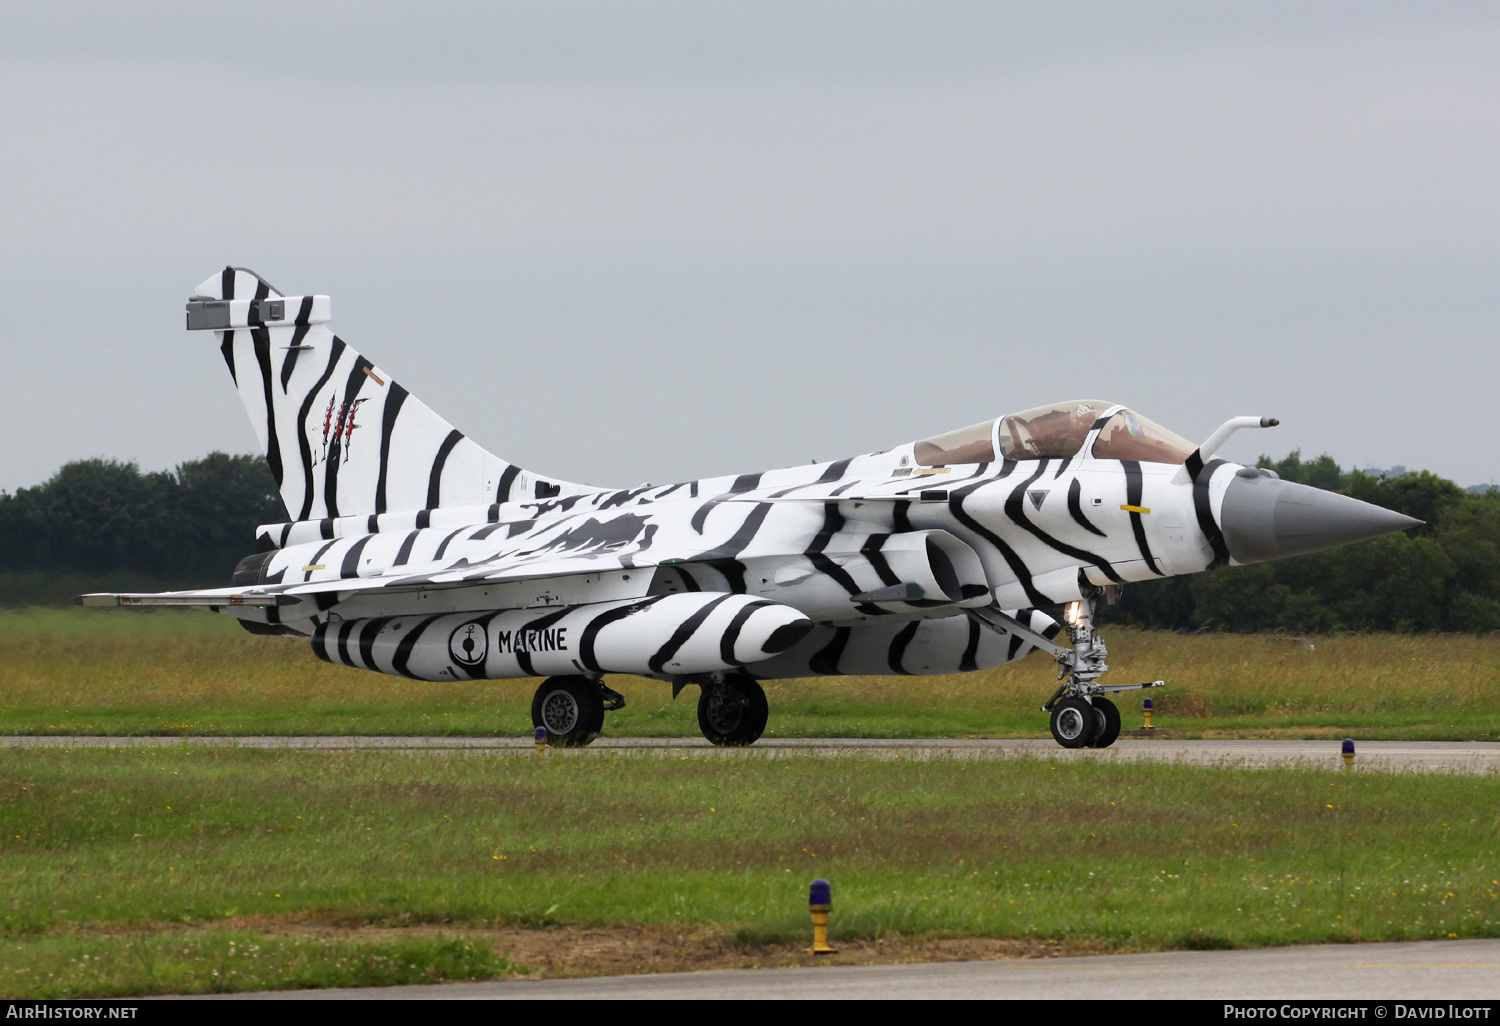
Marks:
<point>871,551</point>
<point>732,632</point>
<point>833,522</point>
<point>226,348</point>
<point>442,548</point>
<point>345,629</point>
<point>350,567</point>
<point>317,558</point>
<point>1133,485</point>
<point>435,478</point>
<point>969,662</point>
<point>899,644</point>
<point>508,478</point>
<point>900,516</point>
<point>401,660</point>
<point>745,483</point>
<point>304,444</point>
<point>1016,564</point>
<point>1194,464</point>
<point>394,397</point>
<point>831,473</point>
<point>826,660</point>
<point>700,515</point>
<point>835,471</point>
<point>1204,510</point>
<point>1075,508</point>
<point>293,351</point>
<point>681,635</point>
<point>591,632</point>
<point>404,553</point>
<point>262,345</point>
<point>325,527</point>
<point>367,635</point>
<point>1015,509</point>
<point>320,643</point>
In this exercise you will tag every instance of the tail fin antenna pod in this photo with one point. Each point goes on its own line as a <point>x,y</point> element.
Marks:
<point>341,436</point>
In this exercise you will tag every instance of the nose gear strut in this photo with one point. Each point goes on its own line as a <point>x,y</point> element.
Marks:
<point>1078,667</point>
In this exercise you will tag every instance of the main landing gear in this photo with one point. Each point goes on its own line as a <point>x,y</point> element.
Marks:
<point>1082,717</point>
<point>572,709</point>
<point>732,712</point>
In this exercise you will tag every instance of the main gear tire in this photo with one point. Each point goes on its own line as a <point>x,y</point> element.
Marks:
<point>1074,723</point>
<point>571,709</point>
<point>1109,722</point>
<point>733,713</point>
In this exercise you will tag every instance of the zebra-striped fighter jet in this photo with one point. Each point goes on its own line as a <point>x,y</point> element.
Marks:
<point>410,550</point>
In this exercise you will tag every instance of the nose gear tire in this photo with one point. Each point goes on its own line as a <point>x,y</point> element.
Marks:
<point>570,708</point>
<point>1109,718</point>
<point>733,714</point>
<point>1074,723</point>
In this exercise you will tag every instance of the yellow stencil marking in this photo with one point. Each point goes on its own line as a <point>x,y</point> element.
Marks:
<point>1135,509</point>
<point>373,376</point>
<point>318,566</point>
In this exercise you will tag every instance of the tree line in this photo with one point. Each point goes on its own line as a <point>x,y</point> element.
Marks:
<point>1442,576</point>
<point>106,520</point>
<point>103,520</point>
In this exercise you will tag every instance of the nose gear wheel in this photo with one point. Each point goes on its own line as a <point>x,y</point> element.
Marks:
<point>1075,724</point>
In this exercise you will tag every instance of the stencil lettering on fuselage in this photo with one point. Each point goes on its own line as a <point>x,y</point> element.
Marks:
<point>549,639</point>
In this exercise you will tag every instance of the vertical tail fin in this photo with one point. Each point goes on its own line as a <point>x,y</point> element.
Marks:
<point>341,436</point>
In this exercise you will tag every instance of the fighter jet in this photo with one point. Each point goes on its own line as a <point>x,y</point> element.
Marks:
<point>411,550</point>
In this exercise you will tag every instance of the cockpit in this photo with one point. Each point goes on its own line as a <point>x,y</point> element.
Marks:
<point>1058,431</point>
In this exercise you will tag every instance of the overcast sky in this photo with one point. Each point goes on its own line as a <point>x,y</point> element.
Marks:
<point>626,241</point>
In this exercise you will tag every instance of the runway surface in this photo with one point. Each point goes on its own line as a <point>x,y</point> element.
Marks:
<point>1444,756</point>
<point>1459,970</point>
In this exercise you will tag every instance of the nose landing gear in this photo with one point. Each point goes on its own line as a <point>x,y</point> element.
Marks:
<point>1082,717</point>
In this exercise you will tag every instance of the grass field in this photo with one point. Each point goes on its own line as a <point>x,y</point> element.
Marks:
<point>166,870</point>
<point>84,671</point>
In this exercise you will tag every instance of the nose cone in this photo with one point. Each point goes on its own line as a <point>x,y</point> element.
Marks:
<point>1265,518</point>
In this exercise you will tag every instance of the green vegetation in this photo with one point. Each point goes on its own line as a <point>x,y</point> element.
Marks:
<point>90,671</point>
<point>107,526</point>
<point>162,857</point>
<point>157,961</point>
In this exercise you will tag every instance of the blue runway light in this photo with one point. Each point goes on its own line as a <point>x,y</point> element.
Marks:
<point>1348,750</point>
<point>541,739</point>
<point>820,902</point>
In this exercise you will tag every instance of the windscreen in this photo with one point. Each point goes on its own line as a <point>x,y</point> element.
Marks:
<point>1129,436</point>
